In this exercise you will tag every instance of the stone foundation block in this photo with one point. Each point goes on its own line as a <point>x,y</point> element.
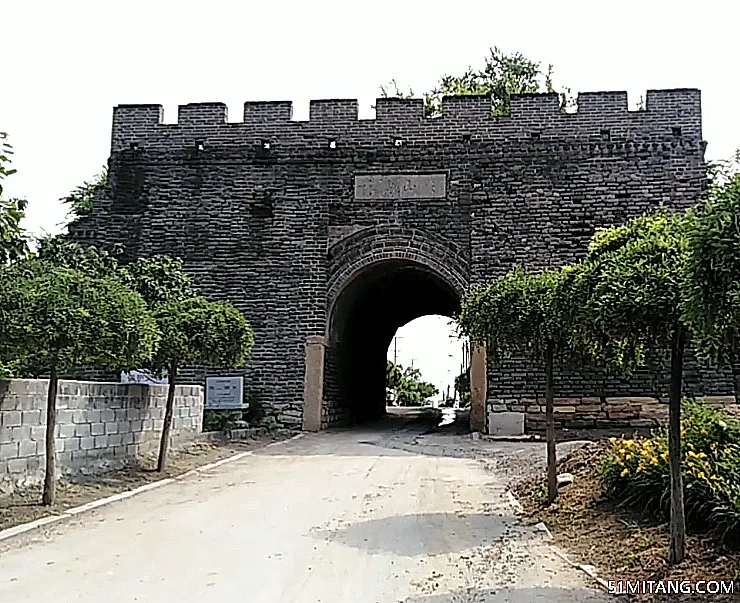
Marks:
<point>506,423</point>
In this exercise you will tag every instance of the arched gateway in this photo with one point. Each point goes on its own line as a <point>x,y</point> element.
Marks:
<point>379,279</point>
<point>329,234</point>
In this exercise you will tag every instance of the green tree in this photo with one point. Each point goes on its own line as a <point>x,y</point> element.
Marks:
<point>13,243</point>
<point>408,386</point>
<point>627,298</point>
<point>60,251</point>
<point>713,280</point>
<point>159,279</point>
<point>462,387</point>
<point>393,375</point>
<point>501,76</point>
<point>197,332</point>
<point>516,316</point>
<point>53,319</point>
<point>80,200</point>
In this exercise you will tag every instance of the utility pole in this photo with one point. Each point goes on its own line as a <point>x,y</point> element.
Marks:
<point>395,349</point>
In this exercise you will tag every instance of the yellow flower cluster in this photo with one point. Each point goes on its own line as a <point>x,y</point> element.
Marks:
<point>638,457</point>
<point>634,458</point>
<point>696,465</point>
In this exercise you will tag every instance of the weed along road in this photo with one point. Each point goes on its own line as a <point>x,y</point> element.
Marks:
<point>378,515</point>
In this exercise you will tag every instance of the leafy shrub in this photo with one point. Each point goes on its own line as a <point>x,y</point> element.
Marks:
<point>220,420</point>
<point>636,472</point>
<point>8,369</point>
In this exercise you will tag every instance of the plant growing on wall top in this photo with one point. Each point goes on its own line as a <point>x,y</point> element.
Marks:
<point>501,76</point>
<point>197,332</point>
<point>54,318</point>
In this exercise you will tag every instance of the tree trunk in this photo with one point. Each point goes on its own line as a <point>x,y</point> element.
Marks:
<point>552,472</point>
<point>50,477</point>
<point>164,443</point>
<point>678,519</point>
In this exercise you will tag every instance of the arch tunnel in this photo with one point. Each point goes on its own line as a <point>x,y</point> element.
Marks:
<point>375,303</point>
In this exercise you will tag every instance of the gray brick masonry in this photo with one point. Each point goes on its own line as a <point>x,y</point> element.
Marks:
<point>296,223</point>
<point>88,431</point>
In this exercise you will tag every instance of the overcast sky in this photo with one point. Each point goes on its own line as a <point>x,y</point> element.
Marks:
<point>66,64</point>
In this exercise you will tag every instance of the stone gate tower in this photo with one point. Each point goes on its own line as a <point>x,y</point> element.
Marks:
<point>330,234</point>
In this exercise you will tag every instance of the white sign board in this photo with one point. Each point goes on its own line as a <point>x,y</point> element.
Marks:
<point>143,376</point>
<point>225,392</point>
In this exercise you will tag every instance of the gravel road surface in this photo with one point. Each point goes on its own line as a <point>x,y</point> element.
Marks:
<point>385,514</point>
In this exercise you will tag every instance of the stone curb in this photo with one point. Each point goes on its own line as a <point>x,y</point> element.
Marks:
<point>27,527</point>
<point>513,501</point>
<point>512,438</point>
<point>589,570</point>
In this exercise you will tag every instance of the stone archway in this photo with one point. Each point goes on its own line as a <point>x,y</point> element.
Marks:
<point>380,279</point>
<point>361,249</point>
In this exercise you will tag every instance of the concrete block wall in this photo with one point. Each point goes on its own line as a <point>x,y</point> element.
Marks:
<point>98,424</point>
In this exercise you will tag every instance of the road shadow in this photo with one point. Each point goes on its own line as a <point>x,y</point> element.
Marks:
<point>425,533</point>
<point>541,594</point>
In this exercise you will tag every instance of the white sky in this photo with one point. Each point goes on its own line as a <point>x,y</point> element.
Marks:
<point>66,64</point>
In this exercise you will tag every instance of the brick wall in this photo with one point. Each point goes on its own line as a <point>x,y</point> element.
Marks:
<point>266,214</point>
<point>97,424</point>
<point>596,397</point>
<point>586,413</point>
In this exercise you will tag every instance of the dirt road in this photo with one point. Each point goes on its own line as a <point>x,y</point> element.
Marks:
<point>372,516</point>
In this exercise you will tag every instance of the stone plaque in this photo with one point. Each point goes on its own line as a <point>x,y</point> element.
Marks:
<point>371,187</point>
<point>224,393</point>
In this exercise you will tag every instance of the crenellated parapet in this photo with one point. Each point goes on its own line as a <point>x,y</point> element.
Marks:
<point>667,114</point>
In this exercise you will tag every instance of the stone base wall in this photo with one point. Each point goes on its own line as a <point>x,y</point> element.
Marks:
<point>588,413</point>
<point>97,424</point>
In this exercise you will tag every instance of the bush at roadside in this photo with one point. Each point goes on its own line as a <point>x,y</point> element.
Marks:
<point>636,472</point>
<point>221,420</point>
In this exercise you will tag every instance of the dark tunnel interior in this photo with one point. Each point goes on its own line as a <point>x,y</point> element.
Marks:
<point>372,307</point>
